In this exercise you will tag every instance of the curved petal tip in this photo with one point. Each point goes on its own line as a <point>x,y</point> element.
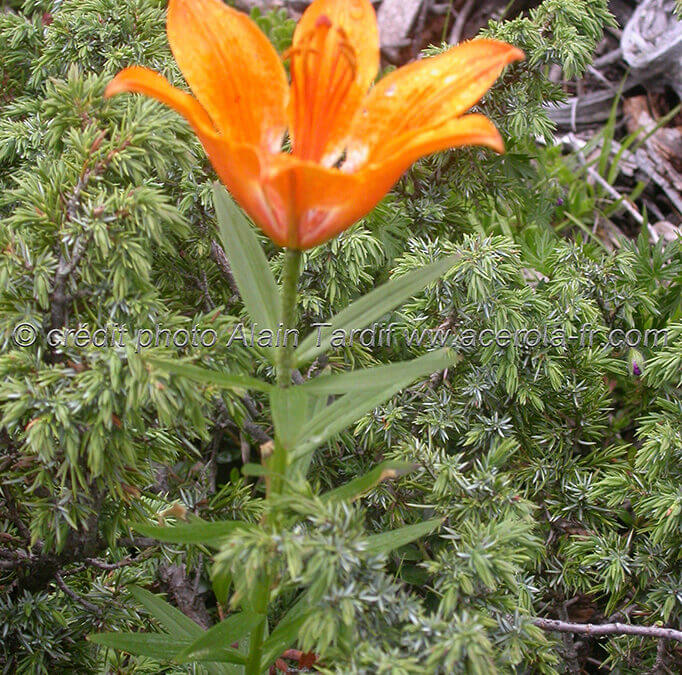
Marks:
<point>516,54</point>
<point>116,86</point>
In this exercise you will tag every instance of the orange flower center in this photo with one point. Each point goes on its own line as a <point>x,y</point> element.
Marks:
<point>323,70</point>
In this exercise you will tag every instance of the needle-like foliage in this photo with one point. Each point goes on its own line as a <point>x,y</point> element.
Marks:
<point>554,466</point>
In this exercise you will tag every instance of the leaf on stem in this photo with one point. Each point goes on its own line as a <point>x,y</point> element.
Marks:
<point>385,542</point>
<point>249,265</point>
<point>207,376</point>
<point>362,484</point>
<point>372,307</point>
<point>352,406</point>
<point>197,532</point>
<point>213,644</point>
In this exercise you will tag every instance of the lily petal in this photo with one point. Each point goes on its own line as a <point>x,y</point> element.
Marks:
<point>373,181</point>
<point>402,151</point>
<point>307,196</point>
<point>321,202</point>
<point>334,59</point>
<point>239,165</point>
<point>358,20</point>
<point>144,81</point>
<point>424,94</point>
<point>232,69</point>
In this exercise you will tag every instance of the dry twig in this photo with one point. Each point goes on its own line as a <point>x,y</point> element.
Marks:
<point>608,629</point>
<point>462,16</point>
<point>74,596</point>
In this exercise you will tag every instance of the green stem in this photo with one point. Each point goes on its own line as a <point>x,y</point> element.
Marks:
<point>253,662</point>
<point>289,283</point>
<point>285,359</point>
<point>277,457</point>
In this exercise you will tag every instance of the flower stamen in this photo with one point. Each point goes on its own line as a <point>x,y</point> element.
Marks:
<point>323,70</point>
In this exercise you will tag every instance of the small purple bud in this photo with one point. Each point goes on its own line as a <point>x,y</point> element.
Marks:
<point>560,201</point>
<point>636,362</point>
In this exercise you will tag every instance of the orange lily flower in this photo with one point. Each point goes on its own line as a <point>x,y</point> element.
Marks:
<point>349,145</point>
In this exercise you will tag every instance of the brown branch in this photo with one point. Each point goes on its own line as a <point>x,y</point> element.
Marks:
<point>256,432</point>
<point>103,565</point>
<point>74,596</point>
<point>661,663</point>
<point>14,515</point>
<point>10,564</point>
<point>248,425</point>
<point>66,267</point>
<point>458,27</point>
<point>38,567</point>
<point>202,283</point>
<point>570,648</point>
<point>17,556</point>
<point>58,298</point>
<point>183,593</point>
<point>137,542</point>
<point>608,629</point>
<point>220,259</point>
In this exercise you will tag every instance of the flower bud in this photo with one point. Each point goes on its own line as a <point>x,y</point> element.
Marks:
<point>636,362</point>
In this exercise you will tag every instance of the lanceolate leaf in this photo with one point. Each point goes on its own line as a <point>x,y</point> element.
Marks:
<point>286,632</point>
<point>155,645</point>
<point>360,485</point>
<point>251,469</point>
<point>372,307</point>
<point>351,407</point>
<point>289,413</point>
<point>380,376</point>
<point>214,644</point>
<point>248,262</point>
<point>197,532</point>
<point>182,632</point>
<point>385,542</point>
<point>206,376</point>
<point>172,619</point>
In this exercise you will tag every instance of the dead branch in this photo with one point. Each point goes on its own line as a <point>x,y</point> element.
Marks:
<point>182,591</point>
<point>652,44</point>
<point>74,596</point>
<point>570,648</point>
<point>108,567</point>
<point>220,259</point>
<point>554,625</point>
<point>458,27</point>
<point>638,160</point>
<point>65,268</point>
<point>395,18</point>
<point>67,265</point>
<point>255,431</point>
<point>660,664</point>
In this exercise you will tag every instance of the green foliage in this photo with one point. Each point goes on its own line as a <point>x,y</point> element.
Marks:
<point>555,32</point>
<point>437,515</point>
<point>43,635</point>
<point>277,25</point>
